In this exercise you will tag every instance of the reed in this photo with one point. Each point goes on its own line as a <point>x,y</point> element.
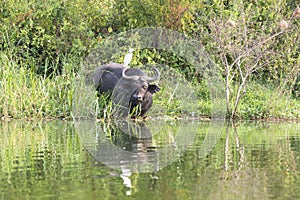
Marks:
<point>25,94</point>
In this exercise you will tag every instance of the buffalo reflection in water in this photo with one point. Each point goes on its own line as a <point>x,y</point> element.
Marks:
<point>121,144</point>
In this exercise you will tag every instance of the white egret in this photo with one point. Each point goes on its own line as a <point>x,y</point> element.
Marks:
<point>128,57</point>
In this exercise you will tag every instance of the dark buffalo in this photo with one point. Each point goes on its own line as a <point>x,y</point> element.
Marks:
<point>130,88</point>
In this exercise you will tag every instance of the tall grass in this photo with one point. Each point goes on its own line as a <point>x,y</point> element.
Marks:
<point>24,94</point>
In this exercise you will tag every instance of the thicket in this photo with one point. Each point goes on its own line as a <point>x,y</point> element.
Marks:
<point>255,44</point>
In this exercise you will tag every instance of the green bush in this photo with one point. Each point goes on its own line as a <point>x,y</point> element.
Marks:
<point>261,102</point>
<point>39,34</point>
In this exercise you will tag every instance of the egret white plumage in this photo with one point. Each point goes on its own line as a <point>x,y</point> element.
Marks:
<point>128,57</point>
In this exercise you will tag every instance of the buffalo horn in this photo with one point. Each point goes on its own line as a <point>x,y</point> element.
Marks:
<point>149,79</point>
<point>128,77</point>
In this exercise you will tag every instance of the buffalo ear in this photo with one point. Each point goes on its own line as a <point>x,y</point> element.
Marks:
<point>153,89</point>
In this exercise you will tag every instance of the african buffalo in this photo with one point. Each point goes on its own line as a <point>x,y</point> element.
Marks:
<point>130,88</point>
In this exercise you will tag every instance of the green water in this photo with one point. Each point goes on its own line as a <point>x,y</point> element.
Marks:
<point>152,160</point>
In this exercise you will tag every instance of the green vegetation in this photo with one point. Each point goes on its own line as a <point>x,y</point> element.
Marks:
<point>24,94</point>
<point>254,44</point>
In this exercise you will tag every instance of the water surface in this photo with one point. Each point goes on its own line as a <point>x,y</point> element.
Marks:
<point>152,160</point>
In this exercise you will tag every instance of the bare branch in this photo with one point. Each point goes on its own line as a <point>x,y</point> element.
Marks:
<point>256,47</point>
